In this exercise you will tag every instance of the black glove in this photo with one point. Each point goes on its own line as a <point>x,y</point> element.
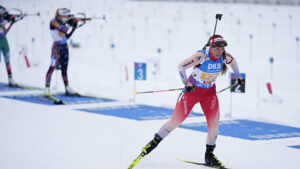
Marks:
<point>189,87</point>
<point>240,81</point>
<point>74,25</point>
<point>72,22</point>
<point>8,17</point>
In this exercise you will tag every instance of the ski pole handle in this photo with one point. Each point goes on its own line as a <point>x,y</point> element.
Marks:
<point>157,91</point>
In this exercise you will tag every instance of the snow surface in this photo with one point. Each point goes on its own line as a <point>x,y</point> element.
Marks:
<point>58,137</point>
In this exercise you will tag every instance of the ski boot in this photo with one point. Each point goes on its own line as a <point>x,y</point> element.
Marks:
<point>71,92</point>
<point>47,91</point>
<point>151,145</point>
<point>11,82</point>
<point>211,160</point>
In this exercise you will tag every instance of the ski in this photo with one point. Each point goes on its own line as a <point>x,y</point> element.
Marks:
<point>50,98</point>
<point>74,95</point>
<point>22,87</point>
<point>88,96</point>
<point>203,164</point>
<point>134,163</point>
<point>42,97</point>
<point>46,99</point>
<point>55,100</point>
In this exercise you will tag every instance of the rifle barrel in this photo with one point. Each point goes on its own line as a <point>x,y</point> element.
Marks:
<point>31,14</point>
<point>97,18</point>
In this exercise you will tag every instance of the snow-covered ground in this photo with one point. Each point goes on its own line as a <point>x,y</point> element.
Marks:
<point>59,137</point>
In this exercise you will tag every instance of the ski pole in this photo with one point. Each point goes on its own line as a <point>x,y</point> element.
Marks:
<point>156,91</point>
<point>229,87</point>
<point>168,90</point>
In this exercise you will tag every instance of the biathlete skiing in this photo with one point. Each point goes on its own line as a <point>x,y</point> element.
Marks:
<point>200,87</point>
